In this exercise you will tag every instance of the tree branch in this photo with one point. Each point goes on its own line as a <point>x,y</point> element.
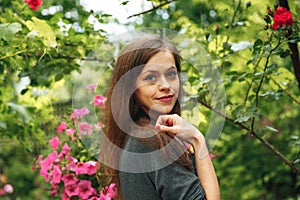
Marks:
<point>152,9</point>
<point>253,133</point>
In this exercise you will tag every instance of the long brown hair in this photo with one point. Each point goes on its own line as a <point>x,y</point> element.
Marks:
<point>120,98</point>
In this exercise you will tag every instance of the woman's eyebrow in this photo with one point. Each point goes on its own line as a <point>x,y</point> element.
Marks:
<point>154,70</point>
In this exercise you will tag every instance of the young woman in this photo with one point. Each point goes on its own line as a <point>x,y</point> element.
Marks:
<point>162,156</point>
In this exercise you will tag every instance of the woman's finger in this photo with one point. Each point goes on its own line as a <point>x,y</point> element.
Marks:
<point>169,129</point>
<point>168,120</point>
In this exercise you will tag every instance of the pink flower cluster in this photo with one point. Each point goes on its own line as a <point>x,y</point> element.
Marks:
<point>60,169</point>
<point>68,177</point>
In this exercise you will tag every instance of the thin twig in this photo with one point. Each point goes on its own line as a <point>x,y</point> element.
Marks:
<point>286,91</point>
<point>152,9</point>
<point>230,27</point>
<point>14,54</point>
<point>252,81</point>
<point>260,83</point>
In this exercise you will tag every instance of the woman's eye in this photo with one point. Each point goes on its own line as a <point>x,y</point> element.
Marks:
<point>172,74</point>
<point>150,78</point>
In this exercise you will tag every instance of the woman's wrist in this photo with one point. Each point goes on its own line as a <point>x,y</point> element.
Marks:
<point>199,145</point>
<point>198,138</point>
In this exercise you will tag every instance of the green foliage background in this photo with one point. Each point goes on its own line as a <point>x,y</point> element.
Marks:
<point>246,168</point>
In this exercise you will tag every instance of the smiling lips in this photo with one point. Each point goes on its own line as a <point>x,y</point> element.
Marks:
<point>165,99</point>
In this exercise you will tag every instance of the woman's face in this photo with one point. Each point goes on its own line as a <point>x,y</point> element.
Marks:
<point>157,86</point>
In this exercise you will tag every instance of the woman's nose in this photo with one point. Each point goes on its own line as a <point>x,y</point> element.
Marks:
<point>163,84</point>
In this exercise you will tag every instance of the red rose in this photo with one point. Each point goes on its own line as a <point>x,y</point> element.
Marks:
<point>282,17</point>
<point>34,4</point>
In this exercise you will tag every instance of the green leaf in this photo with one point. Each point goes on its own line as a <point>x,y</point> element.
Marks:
<point>24,114</point>
<point>124,3</point>
<point>3,125</point>
<point>58,76</point>
<point>295,39</point>
<point>294,137</point>
<point>243,119</point>
<point>226,64</point>
<point>7,31</point>
<point>15,27</point>
<point>267,93</point>
<point>296,161</point>
<point>272,129</point>
<point>108,15</point>
<point>24,91</point>
<point>257,44</point>
<point>44,30</point>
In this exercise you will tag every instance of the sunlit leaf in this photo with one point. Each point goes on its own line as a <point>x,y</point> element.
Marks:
<point>7,31</point>
<point>272,129</point>
<point>24,114</point>
<point>3,125</point>
<point>44,30</point>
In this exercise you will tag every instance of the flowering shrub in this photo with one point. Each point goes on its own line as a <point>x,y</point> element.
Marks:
<point>72,174</point>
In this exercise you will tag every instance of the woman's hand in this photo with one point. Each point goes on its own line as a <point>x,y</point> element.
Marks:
<point>177,126</point>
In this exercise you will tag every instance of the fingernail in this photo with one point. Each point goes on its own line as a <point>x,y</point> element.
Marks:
<point>157,127</point>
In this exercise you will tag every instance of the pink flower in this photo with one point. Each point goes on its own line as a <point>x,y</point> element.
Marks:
<point>81,168</point>
<point>85,128</point>
<point>72,164</point>
<point>99,100</point>
<point>86,168</point>
<point>108,193</point>
<point>34,4</point>
<point>62,126</point>
<point>91,167</point>
<point>64,195</point>
<point>54,190</point>
<point>45,174</point>
<point>2,192</point>
<point>78,113</point>
<point>69,179</point>
<point>8,188</point>
<point>54,142</point>
<point>91,87</point>
<point>65,151</point>
<point>85,189</point>
<point>70,132</point>
<point>94,198</point>
<point>56,175</point>
<point>47,165</point>
<point>71,190</point>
